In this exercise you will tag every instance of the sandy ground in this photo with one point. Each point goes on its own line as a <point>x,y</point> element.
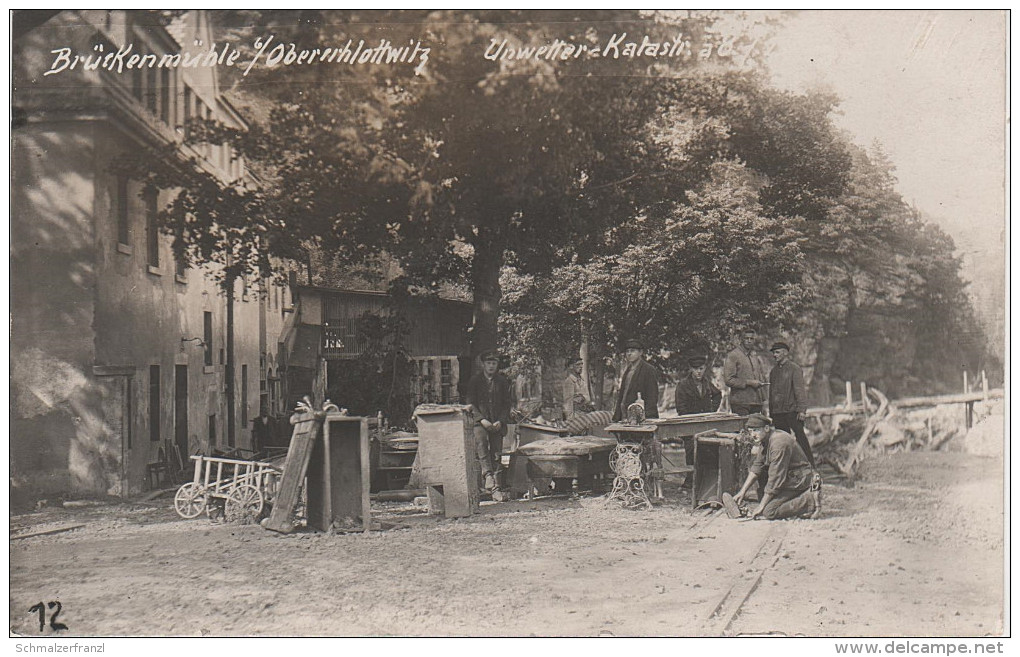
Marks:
<point>915,549</point>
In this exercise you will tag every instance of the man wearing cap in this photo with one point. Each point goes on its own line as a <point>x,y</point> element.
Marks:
<point>793,488</point>
<point>695,393</point>
<point>746,374</point>
<point>788,397</point>
<point>638,378</point>
<point>489,395</point>
<point>576,398</point>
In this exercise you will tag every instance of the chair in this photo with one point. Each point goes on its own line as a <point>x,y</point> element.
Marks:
<point>155,469</point>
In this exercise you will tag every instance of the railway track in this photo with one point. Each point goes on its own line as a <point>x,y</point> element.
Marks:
<point>726,610</point>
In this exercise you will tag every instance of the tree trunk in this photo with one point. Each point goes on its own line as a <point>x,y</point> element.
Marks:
<point>485,269</point>
<point>585,366</point>
<point>819,391</point>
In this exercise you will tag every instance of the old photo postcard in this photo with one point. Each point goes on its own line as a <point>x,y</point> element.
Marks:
<point>509,323</point>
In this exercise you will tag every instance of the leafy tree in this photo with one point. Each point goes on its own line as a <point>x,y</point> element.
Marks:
<point>680,285</point>
<point>887,304</point>
<point>454,171</point>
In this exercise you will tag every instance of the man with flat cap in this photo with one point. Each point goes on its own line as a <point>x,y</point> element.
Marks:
<point>788,397</point>
<point>695,393</point>
<point>489,395</point>
<point>793,488</point>
<point>638,378</point>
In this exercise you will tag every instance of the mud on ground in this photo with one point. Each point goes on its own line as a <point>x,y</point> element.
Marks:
<point>914,550</point>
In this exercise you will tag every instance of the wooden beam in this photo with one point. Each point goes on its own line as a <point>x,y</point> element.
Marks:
<point>44,532</point>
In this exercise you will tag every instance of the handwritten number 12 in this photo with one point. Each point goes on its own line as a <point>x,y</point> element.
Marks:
<point>41,608</point>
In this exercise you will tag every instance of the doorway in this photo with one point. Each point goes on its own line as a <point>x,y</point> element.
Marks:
<point>181,413</point>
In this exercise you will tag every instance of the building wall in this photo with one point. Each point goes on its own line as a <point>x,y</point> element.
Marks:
<point>91,316</point>
<point>58,438</point>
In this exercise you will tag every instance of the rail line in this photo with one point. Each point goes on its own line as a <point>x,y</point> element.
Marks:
<point>728,607</point>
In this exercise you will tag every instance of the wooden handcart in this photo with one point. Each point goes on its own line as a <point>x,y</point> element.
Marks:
<point>244,488</point>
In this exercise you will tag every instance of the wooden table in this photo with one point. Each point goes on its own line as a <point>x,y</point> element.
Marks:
<point>682,429</point>
<point>674,429</point>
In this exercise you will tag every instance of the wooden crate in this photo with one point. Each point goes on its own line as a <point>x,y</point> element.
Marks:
<point>339,474</point>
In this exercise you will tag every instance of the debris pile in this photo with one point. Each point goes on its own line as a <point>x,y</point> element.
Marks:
<point>843,440</point>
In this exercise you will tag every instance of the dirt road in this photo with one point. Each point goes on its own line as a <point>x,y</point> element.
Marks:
<point>915,549</point>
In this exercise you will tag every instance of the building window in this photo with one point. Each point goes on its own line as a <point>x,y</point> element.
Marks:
<point>151,92</point>
<point>154,415</point>
<point>123,217</point>
<point>244,395</point>
<point>164,97</point>
<point>212,430</point>
<point>187,110</point>
<point>152,229</point>
<point>180,265</point>
<point>137,84</point>
<point>207,336</point>
<point>180,260</point>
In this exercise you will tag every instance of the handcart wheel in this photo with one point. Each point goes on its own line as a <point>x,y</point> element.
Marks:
<point>189,502</point>
<point>244,504</point>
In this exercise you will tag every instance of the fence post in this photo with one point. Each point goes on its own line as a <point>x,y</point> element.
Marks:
<point>849,394</point>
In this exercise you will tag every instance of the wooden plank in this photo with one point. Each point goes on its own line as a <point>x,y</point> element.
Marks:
<point>911,402</point>
<point>45,532</point>
<point>306,430</point>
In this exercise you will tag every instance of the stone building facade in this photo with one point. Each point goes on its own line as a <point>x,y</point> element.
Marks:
<point>117,350</point>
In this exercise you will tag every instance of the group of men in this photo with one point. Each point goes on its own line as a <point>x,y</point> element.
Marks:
<point>783,466</point>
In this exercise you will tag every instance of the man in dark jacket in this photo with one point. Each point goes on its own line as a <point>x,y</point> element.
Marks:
<point>489,395</point>
<point>788,397</point>
<point>695,393</point>
<point>638,378</point>
<point>263,430</point>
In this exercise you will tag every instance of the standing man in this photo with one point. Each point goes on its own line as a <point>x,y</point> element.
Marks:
<point>695,393</point>
<point>638,377</point>
<point>744,372</point>
<point>262,430</point>
<point>788,397</point>
<point>576,398</point>
<point>793,488</point>
<point>489,395</point>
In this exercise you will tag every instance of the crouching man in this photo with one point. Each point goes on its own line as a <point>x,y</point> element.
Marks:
<point>794,488</point>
